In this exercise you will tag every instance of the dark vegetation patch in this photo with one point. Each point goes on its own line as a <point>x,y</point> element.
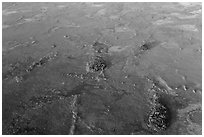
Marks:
<point>163,112</point>
<point>21,68</point>
<point>98,64</point>
<point>100,47</point>
<point>41,61</point>
<point>148,45</point>
<point>159,117</point>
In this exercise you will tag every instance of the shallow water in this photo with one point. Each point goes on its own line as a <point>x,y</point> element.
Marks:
<point>150,65</point>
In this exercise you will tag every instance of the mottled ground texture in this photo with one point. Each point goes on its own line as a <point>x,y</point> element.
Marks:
<point>102,68</point>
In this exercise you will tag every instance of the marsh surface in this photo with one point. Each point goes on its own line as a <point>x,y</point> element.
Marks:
<point>102,68</point>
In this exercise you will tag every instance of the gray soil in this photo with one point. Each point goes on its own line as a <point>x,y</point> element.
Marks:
<point>101,68</point>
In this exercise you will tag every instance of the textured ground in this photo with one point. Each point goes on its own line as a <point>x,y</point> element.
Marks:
<point>102,68</point>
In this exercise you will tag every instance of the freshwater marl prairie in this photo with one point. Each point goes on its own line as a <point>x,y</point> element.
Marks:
<point>101,68</point>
